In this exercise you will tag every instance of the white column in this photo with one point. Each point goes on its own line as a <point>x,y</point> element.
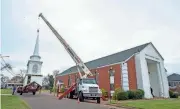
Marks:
<point>164,80</point>
<point>138,72</point>
<point>160,80</point>
<point>125,80</point>
<point>145,77</point>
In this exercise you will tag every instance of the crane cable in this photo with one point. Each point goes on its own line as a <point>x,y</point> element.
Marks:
<point>38,26</point>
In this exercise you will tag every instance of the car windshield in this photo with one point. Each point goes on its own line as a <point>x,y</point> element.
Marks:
<point>89,81</point>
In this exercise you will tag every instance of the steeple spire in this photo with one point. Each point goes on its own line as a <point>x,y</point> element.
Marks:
<point>36,48</point>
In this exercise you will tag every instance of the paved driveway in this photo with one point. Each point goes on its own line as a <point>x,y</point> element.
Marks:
<point>45,101</point>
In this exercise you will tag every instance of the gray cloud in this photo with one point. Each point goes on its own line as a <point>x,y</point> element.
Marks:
<point>97,28</point>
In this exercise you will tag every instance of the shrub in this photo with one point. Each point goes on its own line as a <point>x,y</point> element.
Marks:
<point>175,95</point>
<point>122,96</point>
<point>104,93</point>
<point>131,94</point>
<point>172,94</point>
<point>135,94</point>
<point>62,88</point>
<point>51,89</point>
<point>139,94</point>
<point>117,90</point>
<point>142,92</point>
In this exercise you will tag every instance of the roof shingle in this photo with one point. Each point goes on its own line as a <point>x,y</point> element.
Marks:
<point>107,60</point>
<point>174,77</point>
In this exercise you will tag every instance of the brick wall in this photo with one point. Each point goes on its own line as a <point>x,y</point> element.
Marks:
<point>104,81</point>
<point>103,77</point>
<point>132,73</point>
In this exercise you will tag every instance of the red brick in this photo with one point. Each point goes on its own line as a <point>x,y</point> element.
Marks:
<point>104,81</point>
<point>132,73</point>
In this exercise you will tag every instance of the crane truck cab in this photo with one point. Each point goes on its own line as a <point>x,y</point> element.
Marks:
<point>86,88</point>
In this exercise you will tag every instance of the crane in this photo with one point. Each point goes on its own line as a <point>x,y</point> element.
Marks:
<point>71,52</point>
<point>85,87</point>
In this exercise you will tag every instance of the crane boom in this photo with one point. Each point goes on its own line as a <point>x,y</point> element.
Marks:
<point>71,52</point>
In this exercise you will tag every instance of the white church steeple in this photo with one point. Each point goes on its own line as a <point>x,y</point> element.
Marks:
<point>34,65</point>
<point>35,55</point>
<point>36,48</point>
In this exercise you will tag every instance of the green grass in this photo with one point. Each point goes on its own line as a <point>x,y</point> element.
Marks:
<point>150,104</point>
<point>12,101</point>
<point>44,90</point>
<point>6,91</point>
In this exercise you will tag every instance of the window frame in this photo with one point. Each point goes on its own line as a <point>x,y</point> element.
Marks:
<point>111,72</point>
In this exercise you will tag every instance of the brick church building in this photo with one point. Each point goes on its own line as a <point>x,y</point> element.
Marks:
<point>140,67</point>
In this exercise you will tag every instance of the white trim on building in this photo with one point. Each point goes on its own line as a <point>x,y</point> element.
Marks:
<point>143,82</point>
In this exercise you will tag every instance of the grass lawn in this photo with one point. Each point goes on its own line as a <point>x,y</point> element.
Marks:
<point>6,91</point>
<point>44,90</point>
<point>151,104</point>
<point>12,101</point>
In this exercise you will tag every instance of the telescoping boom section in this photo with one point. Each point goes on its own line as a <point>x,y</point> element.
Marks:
<point>71,52</point>
<point>85,87</point>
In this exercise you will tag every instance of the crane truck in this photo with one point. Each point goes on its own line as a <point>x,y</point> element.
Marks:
<point>85,87</point>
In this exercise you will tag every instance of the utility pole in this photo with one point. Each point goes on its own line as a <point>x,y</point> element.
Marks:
<point>3,60</point>
<point>2,57</point>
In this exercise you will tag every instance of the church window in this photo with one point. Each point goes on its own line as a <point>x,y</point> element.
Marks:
<point>111,77</point>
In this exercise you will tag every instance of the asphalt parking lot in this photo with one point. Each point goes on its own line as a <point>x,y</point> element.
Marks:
<point>46,101</point>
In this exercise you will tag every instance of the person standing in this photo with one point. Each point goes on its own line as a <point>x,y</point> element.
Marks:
<point>152,91</point>
<point>14,89</point>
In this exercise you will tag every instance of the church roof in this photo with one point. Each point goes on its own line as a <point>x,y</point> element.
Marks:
<point>107,60</point>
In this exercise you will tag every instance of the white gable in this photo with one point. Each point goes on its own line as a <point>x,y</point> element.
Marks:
<point>150,52</point>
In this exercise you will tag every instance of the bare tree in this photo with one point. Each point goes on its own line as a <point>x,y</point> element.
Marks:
<point>55,72</point>
<point>19,77</point>
<point>45,82</point>
<point>22,73</point>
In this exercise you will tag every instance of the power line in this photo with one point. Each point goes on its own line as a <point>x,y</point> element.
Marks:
<point>6,68</point>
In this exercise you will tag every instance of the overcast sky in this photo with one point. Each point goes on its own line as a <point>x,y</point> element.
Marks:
<point>93,28</point>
